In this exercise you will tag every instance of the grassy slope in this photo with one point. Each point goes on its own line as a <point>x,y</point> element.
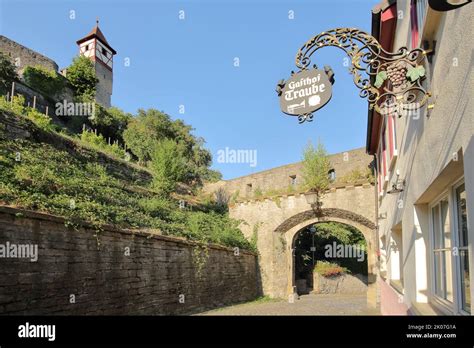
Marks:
<point>47,172</point>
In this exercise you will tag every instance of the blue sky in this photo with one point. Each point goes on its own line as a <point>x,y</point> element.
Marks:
<point>190,62</point>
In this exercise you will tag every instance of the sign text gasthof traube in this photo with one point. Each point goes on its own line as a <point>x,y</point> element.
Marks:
<point>305,92</point>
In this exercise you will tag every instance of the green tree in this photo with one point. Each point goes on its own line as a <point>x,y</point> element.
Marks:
<point>81,75</point>
<point>111,122</point>
<point>325,234</point>
<point>118,121</point>
<point>7,74</point>
<point>152,126</point>
<point>316,166</point>
<point>168,165</point>
<point>145,131</point>
<point>344,234</point>
<point>211,175</point>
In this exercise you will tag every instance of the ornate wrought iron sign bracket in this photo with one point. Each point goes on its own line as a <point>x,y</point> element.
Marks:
<point>391,81</point>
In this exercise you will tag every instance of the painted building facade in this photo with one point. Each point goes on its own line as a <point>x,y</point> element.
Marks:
<point>425,167</point>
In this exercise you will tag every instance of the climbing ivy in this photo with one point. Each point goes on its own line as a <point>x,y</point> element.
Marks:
<point>47,81</point>
<point>7,74</point>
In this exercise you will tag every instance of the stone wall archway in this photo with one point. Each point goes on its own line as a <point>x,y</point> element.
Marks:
<point>289,229</point>
<point>273,222</point>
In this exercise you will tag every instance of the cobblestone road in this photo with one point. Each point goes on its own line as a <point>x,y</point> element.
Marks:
<point>333,304</point>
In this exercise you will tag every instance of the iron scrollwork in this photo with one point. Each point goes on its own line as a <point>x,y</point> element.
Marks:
<point>397,76</point>
<point>305,118</point>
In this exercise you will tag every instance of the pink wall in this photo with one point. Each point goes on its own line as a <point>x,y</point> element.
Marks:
<point>390,303</point>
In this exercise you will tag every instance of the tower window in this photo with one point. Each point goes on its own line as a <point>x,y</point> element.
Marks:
<point>293,180</point>
<point>104,51</point>
<point>332,175</point>
<point>249,188</point>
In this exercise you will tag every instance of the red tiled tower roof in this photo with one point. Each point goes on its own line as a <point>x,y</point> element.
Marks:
<point>96,33</point>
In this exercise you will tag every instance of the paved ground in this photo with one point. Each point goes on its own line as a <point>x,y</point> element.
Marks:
<point>312,304</point>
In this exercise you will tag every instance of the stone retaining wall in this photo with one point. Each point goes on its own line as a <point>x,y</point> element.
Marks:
<point>342,284</point>
<point>114,272</point>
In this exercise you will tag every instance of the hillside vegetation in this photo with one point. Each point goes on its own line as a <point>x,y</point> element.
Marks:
<point>50,172</point>
<point>107,168</point>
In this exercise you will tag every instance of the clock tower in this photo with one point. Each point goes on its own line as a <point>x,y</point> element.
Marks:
<point>95,47</point>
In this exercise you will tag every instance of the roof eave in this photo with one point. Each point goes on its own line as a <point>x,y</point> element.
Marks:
<point>376,11</point>
<point>97,34</point>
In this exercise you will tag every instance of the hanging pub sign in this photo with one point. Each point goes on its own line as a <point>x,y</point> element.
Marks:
<point>305,92</point>
<point>384,78</point>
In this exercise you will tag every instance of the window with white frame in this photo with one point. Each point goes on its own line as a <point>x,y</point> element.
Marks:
<point>396,257</point>
<point>443,286</point>
<point>450,255</point>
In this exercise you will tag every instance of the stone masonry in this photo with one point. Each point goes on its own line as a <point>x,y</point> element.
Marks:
<point>23,56</point>
<point>115,272</point>
<point>275,220</point>
<point>284,177</point>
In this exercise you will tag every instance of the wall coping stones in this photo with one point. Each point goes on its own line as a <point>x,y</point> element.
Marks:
<point>302,193</point>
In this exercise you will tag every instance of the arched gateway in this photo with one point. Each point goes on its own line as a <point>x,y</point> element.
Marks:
<point>292,226</point>
<point>274,223</point>
<point>274,220</point>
